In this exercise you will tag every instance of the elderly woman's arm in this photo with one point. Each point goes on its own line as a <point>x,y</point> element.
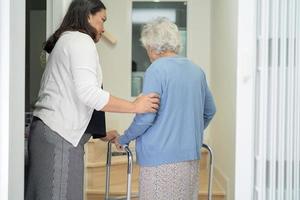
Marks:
<point>138,127</point>
<point>142,122</point>
<point>209,107</point>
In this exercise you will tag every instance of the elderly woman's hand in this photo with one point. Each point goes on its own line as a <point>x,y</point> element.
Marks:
<point>147,103</point>
<point>117,144</point>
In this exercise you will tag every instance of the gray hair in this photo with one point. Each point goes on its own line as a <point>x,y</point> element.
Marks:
<point>161,35</point>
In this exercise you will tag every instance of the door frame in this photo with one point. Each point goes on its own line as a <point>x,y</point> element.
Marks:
<point>245,100</point>
<point>12,90</point>
<point>12,101</point>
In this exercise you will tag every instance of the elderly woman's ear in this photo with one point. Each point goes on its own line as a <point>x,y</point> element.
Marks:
<point>152,54</point>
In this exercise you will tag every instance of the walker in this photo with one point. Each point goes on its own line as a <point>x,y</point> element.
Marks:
<point>130,166</point>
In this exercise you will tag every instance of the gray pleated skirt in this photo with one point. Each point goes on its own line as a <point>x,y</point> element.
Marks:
<point>55,166</point>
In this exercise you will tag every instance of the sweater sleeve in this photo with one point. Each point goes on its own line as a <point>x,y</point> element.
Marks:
<point>209,106</point>
<point>84,62</point>
<point>142,122</point>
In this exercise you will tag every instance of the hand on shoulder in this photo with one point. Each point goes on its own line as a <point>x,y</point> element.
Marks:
<point>147,103</point>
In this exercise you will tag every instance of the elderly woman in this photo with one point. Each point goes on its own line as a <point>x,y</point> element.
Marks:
<point>168,142</point>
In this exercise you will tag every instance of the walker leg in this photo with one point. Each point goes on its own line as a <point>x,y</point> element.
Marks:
<point>210,170</point>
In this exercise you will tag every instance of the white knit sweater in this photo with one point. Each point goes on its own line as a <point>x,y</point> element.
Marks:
<point>71,86</point>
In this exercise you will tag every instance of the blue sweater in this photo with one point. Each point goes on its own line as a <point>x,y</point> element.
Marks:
<point>175,132</point>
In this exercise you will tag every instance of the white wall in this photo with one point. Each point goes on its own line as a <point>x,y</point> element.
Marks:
<point>116,59</point>
<point>199,33</point>
<point>12,100</point>
<point>223,80</point>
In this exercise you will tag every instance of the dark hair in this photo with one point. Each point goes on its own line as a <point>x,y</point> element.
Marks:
<point>76,19</point>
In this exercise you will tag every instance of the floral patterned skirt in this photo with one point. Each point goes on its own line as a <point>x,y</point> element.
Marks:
<point>176,181</point>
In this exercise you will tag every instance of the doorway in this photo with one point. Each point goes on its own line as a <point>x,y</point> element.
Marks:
<point>35,60</point>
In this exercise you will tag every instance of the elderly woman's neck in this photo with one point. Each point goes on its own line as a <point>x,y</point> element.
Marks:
<point>154,55</point>
<point>167,54</point>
